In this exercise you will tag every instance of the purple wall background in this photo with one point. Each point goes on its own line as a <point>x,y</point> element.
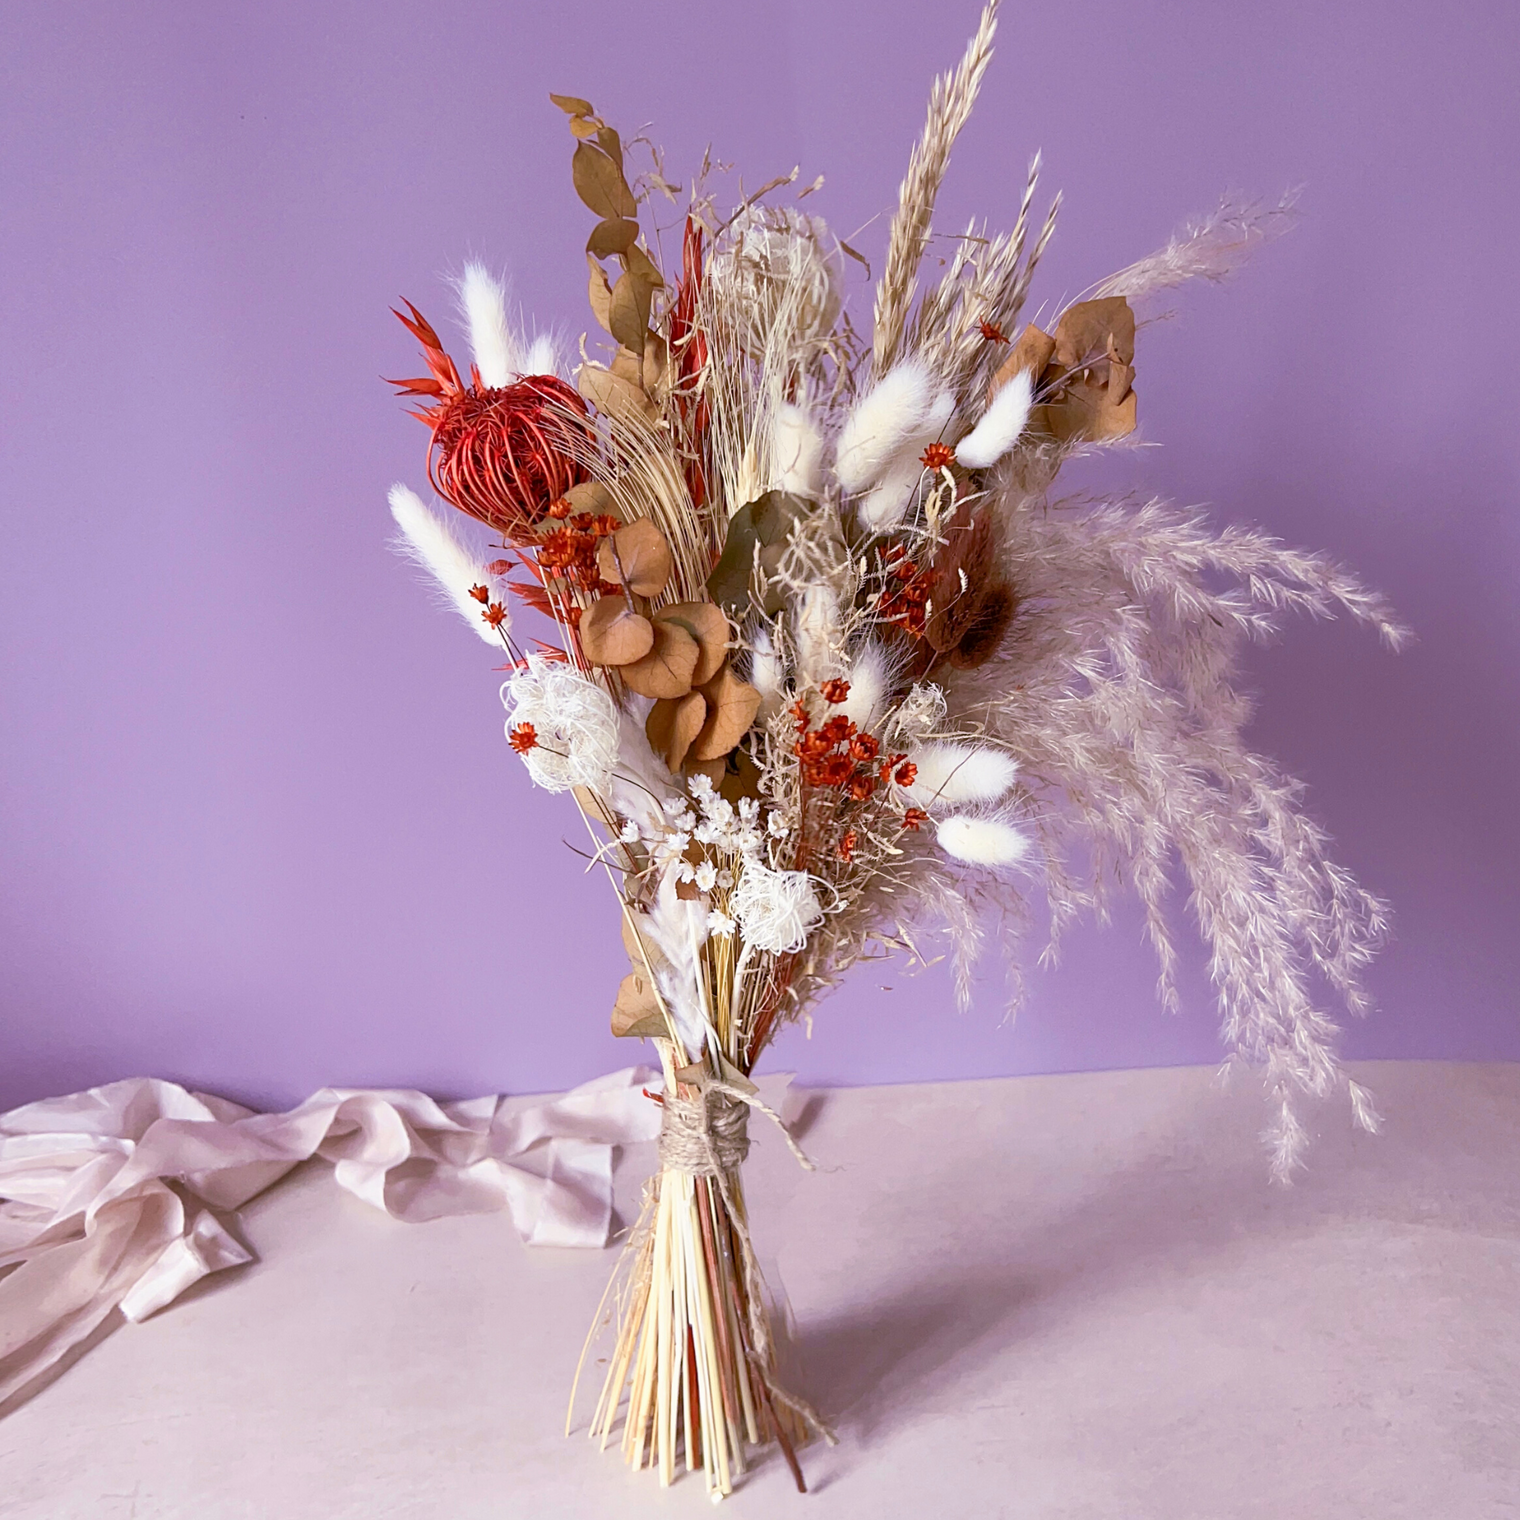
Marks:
<point>260,829</point>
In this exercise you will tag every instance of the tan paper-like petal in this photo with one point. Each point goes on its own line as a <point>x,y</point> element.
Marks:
<point>636,1013</point>
<point>613,395</point>
<point>1032,350</point>
<point>1086,330</point>
<point>709,626</point>
<point>613,635</point>
<point>673,723</point>
<point>666,670</point>
<point>731,708</point>
<point>636,556</point>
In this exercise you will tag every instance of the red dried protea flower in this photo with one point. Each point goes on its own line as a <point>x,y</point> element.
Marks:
<point>504,454</point>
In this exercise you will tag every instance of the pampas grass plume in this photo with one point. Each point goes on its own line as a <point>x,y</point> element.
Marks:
<point>427,540</point>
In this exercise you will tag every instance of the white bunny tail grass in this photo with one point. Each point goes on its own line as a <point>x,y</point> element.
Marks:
<point>796,452</point>
<point>893,412</point>
<point>1000,425</point>
<point>427,540</point>
<point>870,684</point>
<point>981,841</point>
<point>483,304</point>
<point>952,774</point>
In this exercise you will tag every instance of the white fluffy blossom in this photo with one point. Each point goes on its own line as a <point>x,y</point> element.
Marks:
<point>776,909</point>
<point>575,721</point>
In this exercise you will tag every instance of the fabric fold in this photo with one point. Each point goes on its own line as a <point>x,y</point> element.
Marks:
<point>109,1198</point>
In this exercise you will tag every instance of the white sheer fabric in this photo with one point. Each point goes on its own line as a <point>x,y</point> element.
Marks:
<point>107,1196</point>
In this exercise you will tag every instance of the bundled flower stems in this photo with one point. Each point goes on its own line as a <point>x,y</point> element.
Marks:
<point>828,666</point>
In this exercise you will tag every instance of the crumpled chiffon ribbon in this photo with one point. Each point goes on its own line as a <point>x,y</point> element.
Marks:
<point>106,1196</point>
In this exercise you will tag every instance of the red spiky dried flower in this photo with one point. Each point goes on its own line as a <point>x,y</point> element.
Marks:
<point>481,594</point>
<point>523,738</point>
<point>504,454</point>
<point>835,690</point>
<point>914,819</point>
<point>992,332</point>
<point>937,456</point>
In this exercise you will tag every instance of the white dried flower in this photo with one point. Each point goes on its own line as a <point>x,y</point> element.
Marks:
<point>575,721</point>
<point>777,826</point>
<point>725,879</point>
<point>778,266</point>
<point>920,712</point>
<point>629,833</point>
<point>720,924</point>
<point>776,909</point>
<point>706,876</point>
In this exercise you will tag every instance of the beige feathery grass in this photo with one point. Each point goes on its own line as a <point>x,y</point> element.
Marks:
<point>950,103</point>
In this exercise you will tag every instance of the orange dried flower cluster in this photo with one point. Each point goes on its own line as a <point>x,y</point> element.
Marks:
<point>837,753</point>
<point>905,599</point>
<point>570,549</point>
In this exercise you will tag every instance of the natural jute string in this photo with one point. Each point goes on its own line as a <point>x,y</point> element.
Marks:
<point>707,1135</point>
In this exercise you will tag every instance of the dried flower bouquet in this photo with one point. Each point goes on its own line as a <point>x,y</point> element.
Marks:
<point>831,667</point>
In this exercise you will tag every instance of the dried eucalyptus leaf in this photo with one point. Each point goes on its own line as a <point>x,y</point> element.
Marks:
<point>642,267</point>
<point>613,396</point>
<point>600,294</point>
<point>612,235</point>
<point>672,725</point>
<point>611,143</point>
<point>636,1013</point>
<point>580,127</point>
<point>612,634</point>
<point>709,626</point>
<point>628,319</point>
<point>765,523</point>
<point>572,105</point>
<point>731,708</point>
<point>638,557</point>
<point>600,184</point>
<point>666,670</point>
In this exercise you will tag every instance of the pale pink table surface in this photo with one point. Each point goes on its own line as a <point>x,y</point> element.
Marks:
<point>1070,1296</point>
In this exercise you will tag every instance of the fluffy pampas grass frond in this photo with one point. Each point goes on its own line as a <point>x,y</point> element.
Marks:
<point>1207,248</point>
<point>1000,426</point>
<point>427,540</point>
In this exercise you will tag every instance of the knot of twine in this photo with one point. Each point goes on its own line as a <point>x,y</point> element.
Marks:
<point>704,1135</point>
<point>707,1134</point>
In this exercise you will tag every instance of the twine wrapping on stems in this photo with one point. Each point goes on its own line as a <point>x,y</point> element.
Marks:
<point>706,1134</point>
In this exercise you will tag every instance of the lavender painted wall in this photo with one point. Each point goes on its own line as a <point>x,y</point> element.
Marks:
<point>260,829</point>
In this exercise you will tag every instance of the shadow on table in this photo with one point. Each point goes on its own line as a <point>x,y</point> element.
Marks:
<point>1033,1267</point>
